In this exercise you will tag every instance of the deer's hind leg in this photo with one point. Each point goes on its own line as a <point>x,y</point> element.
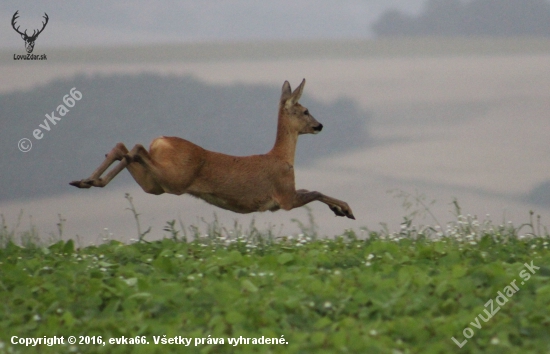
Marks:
<point>95,180</point>
<point>162,169</point>
<point>141,174</point>
<point>142,168</point>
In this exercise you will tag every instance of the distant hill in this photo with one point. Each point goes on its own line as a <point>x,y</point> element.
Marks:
<point>238,119</point>
<point>481,18</point>
<point>540,195</point>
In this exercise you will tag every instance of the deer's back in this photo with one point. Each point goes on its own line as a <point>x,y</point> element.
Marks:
<point>239,183</point>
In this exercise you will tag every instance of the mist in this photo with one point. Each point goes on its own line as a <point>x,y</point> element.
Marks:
<point>414,102</point>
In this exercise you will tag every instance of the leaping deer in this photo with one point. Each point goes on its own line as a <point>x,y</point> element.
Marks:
<point>242,184</point>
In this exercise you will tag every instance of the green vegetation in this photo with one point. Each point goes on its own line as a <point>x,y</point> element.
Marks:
<point>379,292</point>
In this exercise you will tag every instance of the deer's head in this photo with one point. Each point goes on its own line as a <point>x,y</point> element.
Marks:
<point>296,115</point>
<point>29,40</point>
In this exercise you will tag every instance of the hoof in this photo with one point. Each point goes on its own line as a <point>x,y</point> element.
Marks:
<point>339,211</point>
<point>80,184</point>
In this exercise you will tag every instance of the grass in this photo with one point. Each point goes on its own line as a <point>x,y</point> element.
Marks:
<point>406,292</point>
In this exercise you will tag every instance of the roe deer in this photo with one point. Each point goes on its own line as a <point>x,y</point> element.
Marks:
<point>242,184</point>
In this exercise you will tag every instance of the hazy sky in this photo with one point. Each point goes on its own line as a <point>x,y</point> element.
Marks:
<point>102,22</point>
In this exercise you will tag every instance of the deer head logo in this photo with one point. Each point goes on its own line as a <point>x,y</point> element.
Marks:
<point>29,40</point>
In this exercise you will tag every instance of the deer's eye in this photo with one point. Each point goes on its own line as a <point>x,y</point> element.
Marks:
<point>306,112</point>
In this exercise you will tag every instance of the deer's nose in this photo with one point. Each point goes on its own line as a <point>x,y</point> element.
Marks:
<point>318,128</point>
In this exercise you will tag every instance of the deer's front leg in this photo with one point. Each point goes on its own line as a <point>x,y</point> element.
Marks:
<point>340,208</point>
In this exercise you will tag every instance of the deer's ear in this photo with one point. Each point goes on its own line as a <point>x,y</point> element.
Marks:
<point>298,92</point>
<point>295,96</point>
<point>285,92</point>
<point>291,98</point>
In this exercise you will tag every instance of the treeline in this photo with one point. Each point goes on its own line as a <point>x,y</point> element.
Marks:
<point>500,18</point>
<point>237,119</point>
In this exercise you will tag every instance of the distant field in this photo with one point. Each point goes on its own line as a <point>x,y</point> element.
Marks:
<point>227,51</point>
<point>449,118</point>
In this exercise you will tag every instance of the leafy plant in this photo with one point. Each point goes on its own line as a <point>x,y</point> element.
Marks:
<point>409,291</point>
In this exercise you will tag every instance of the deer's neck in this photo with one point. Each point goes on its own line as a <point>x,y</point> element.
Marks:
<point>285,142</point>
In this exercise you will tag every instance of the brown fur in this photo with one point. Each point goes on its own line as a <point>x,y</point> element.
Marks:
<point>240,184</point>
